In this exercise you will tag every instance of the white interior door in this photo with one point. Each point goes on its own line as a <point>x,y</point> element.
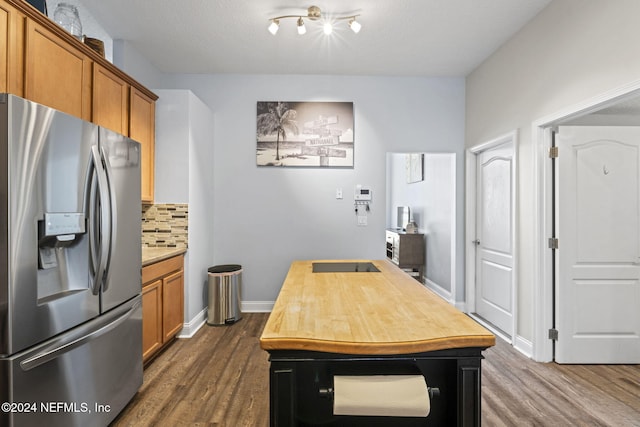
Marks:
<point>597,217</point>
<point>494,299</point>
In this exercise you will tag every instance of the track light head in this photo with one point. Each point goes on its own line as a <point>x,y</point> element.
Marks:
<point>301,28</point>
<point>354,25</point>
<point>273,27</point>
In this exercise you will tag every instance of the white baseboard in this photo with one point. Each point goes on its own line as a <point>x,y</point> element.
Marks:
<point>491,328</point>
<point>189,329</point>
<point>257,306</point>
<point>445,294</point>
<point>524,346</point>
<point>461,305</point>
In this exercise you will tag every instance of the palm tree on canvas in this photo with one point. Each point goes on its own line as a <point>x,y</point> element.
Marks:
<point>277,118</point>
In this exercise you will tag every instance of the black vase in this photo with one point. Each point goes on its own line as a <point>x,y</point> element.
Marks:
<point>41,5</point>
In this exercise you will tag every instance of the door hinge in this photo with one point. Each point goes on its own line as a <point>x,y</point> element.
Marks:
<point>553,334</point>
<point>553,243</point>
<point>553,152</point>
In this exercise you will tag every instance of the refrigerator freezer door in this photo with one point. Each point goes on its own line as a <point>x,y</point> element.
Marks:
<point>84,377</point>
<point>124,274</point>
<point>44,287</point>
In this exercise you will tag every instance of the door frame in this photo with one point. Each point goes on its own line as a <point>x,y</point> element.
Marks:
<point>471,159</point>
<point>542,212</point>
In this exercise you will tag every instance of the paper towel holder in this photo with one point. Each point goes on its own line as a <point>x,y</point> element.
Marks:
<point>327,392</point>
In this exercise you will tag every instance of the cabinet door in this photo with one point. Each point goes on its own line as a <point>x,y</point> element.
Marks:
<point>142,129</point>
<point>110,100</point>
<point>5,38</point>
<point>56,73</point>
<point>151,318</point>
<point>173,304</point>
<point>11,50</point>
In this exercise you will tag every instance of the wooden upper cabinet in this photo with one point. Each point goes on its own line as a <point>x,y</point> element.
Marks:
<point>142,129</point>
<point>110,100</point>
<point>5,18</point>
<point>43,63</point>
<point>57,74</point>
<point>11,50</point>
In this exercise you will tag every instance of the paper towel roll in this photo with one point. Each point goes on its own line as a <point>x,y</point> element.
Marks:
<point>381,395</point>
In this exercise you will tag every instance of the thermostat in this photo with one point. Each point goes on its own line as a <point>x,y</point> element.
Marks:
<point>363,193</point>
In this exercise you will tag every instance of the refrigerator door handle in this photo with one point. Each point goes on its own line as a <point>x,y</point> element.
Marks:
<point>94,244</point>
<point>112,217</point>
<point>100,224</point>
<point>58,349</point>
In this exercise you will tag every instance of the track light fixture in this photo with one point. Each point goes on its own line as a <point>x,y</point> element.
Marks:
<point>355,25</point>
<point>301,28</point>
<point>314,14</point>
<point>273,28</point>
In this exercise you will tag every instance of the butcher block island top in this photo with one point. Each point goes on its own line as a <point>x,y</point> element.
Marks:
<point>365,312</point>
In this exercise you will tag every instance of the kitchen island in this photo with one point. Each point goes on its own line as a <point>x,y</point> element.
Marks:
<point>368,318</point>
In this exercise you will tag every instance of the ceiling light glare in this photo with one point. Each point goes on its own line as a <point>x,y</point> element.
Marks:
<point>273,28</point>
<point>301,28</point>
<point>355,25</point>
<point>327,28</point>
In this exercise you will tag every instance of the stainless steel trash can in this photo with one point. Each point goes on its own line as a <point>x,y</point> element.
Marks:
<point>225,282</point>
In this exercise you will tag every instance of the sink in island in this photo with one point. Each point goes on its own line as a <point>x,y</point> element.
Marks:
<point>329,324</point>
<point>344,267</point>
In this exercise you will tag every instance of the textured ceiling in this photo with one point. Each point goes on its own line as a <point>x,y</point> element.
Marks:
<point>398,37</point>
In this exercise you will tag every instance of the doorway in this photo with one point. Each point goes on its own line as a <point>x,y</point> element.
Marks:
<point>597,265</point>
<point>491,234</point>
<point>432,202</point>
<point>619,107</point>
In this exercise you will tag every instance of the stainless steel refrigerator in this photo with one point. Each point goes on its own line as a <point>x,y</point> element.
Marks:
<point>70,268</point>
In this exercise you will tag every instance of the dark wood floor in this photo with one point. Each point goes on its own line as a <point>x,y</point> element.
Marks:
<point>220,378</point>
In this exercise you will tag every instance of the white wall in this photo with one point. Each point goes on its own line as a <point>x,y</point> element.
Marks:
<point>432,203</point>
<point>173,119</point>
<point>266,217</point>
<point>128,59</point>
<point>184,174</point>
<point>201,203</point>
<point>572,51</point>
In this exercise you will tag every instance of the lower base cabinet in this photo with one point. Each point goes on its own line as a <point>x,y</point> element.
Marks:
<point>162,304</point>
<point>151,319</point>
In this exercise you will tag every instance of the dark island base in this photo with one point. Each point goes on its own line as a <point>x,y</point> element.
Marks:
<point>300,380</point>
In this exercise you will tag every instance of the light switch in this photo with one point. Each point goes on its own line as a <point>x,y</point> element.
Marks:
<point>338,193</point>
<point>362,220</point>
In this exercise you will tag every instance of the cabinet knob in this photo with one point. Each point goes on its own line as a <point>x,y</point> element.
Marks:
<point>476,242</point>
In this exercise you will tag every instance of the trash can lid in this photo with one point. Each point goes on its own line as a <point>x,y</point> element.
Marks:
<point>225,268</point>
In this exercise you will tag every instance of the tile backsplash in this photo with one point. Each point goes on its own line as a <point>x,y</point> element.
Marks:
<point>165,225</point>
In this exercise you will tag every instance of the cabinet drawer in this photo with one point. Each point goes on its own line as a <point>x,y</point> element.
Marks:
<point>160,269</point>
<point>389,237</point>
